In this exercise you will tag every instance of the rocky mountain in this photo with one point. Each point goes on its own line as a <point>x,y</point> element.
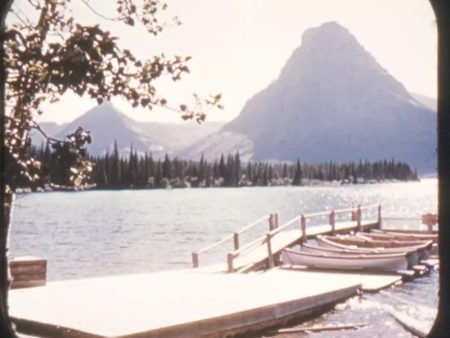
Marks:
<point>107,124</point>
<point>331,102</point>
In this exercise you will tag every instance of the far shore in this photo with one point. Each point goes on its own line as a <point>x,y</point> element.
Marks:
<point>186,185</point>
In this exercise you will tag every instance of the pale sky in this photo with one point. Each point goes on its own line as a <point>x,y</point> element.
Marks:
<point>238,47</point>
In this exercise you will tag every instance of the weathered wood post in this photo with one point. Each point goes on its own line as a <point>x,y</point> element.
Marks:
<point>195,260</point>
<point>331,221</point>
<point>277,257</point>
<point>303,225</point>
<point>269,251</point>
<point>358,218</point>
<point>236,241</point>
<point>429,220</point>
<point>271,222</point>
<point>379,216</point>
<point>230,262</point>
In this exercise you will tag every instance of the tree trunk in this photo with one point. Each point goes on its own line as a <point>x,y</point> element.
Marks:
<point>5,219</point>
<point>5,324</point>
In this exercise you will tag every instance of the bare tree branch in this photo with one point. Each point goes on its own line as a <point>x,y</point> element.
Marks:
<point>93,10</point>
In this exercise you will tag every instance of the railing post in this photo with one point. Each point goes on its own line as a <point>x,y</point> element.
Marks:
<point>236,241</point>
<point>195,260</point>
<point>269,251</point>
<point>273,221</point>
<point>429,220</point>
<point>379,216</point>
<point>303,225</point>
<point>230,262</point>
<point>358,218</point>
<point>332,222</point>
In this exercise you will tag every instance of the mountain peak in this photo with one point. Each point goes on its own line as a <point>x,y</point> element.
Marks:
<point>327,35</point>
<point>103,109</point>
<point>334,101</point>
<point>330,51</point>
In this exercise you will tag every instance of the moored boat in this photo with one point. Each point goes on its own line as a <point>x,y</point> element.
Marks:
<point>349,262</point>
<point>406,236</point>
<point>423,248</point>
<point>412,255</point>
<point>371,243</point>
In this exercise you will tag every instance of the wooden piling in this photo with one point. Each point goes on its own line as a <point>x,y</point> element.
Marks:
<point>195,260</point>
<point>269,251</point>
<point>271,222</point>
<point>379,216</point>
<point>358,218</point>
<point>230,258</point>
<point>236,241</point>
<point>303,225</point>
<point>332,222</point>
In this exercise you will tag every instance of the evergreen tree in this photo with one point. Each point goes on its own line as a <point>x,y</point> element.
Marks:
<point>167,168</point>
<point>116,170</point>
<point>298,174</point>
<point>237,170</point>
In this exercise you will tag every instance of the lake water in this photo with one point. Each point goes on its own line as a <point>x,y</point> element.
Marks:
<point>97,233</point>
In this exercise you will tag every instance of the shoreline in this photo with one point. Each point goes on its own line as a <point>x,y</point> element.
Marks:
<point>305,183</point>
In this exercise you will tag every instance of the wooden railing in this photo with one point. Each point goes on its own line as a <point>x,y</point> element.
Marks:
<point>272,220</point>
<point>332,215</point>
<point>355,215</point>
<point>265,239</point>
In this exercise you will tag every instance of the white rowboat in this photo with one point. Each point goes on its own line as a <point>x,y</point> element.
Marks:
<point>402,236</point>
<point>357,262</point>
<point>412,256</point>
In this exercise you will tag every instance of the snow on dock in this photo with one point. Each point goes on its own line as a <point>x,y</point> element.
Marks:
<point>187,303</point>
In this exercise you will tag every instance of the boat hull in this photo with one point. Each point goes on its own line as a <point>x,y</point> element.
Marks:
<point>402,236</point>
<point>415,253</point>
<point>422,247</point>
<point>357,262</point>
<point>412,256</point>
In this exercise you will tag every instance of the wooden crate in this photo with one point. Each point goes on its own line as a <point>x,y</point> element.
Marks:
<point>27,272</point>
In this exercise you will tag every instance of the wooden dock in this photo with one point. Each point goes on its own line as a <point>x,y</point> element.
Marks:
<point>188,303</point>
<point>207,301</point>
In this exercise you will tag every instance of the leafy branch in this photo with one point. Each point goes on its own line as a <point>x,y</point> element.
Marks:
<point>46,59</point>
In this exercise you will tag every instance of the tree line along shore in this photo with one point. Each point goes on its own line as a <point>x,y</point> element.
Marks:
<point>135,171</point>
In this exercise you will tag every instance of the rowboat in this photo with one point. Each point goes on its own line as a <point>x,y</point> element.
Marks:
<point>371,243</point>
<point>405,236</point>
<point>352,262</point>
<point>412,255</point>
<point>413,236</point>
<point>422,247</point>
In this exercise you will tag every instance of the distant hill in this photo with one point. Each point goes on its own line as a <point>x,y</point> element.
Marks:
<point>50,128</point>
<point>331,102</point>
<point>107,124</point>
